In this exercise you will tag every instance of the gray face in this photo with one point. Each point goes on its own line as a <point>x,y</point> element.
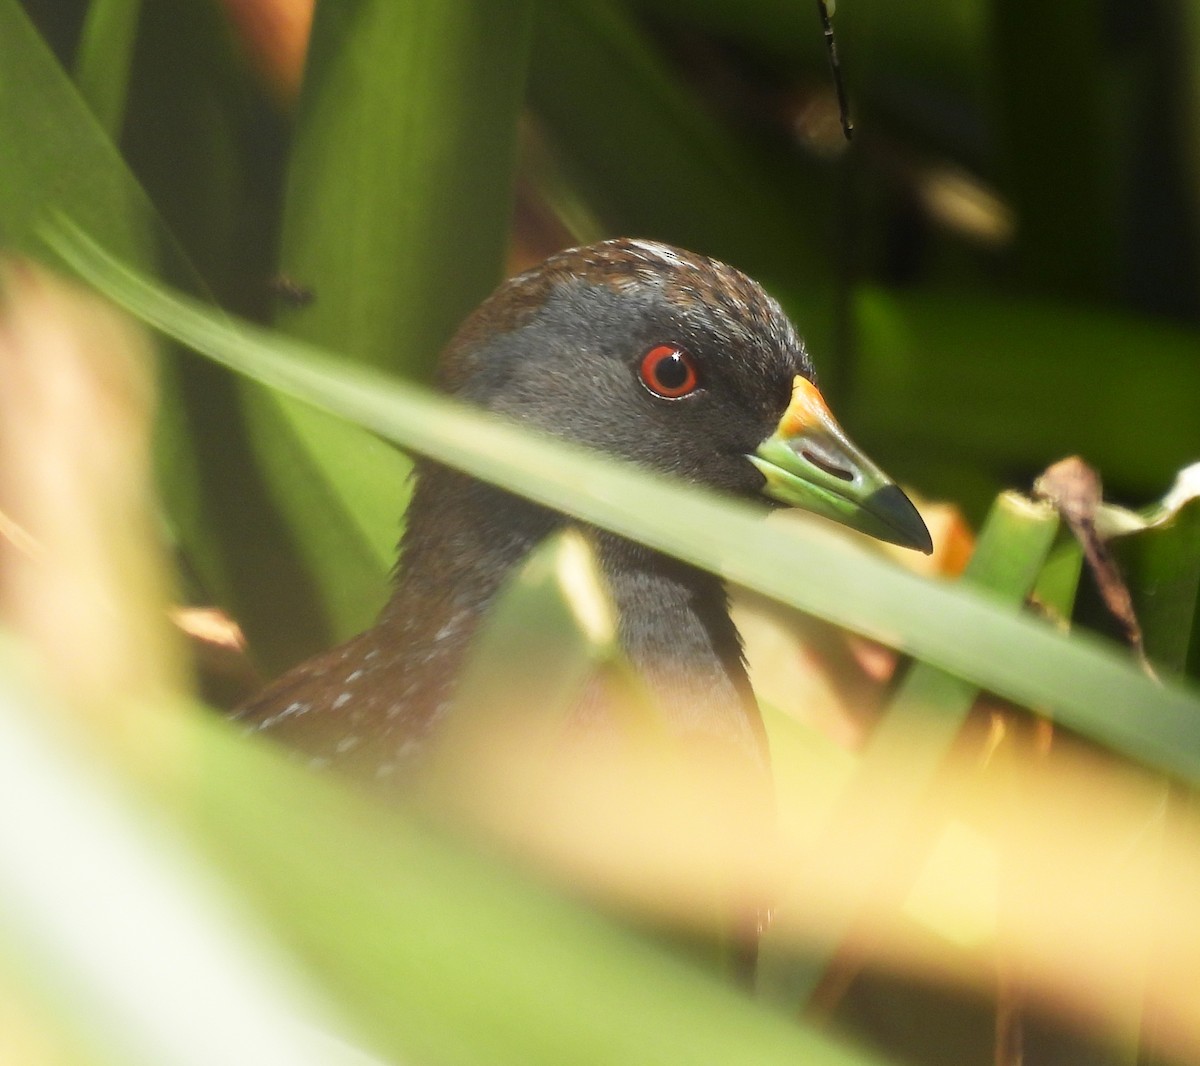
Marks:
<point>562,346</point>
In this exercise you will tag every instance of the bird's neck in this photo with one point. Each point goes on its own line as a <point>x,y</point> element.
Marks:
<point>675,629</point>
<point>466,538</point>
<point>462,540</point>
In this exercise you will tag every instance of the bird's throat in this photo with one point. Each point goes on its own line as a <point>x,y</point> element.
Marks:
<point>674,627</point>
<point>673,620</point>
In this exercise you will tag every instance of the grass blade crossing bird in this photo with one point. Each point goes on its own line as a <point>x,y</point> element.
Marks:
<point>662,357</point>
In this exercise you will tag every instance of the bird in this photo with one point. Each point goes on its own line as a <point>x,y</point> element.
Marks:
<point>666,358</point>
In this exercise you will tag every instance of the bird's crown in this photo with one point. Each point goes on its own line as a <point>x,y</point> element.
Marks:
<point>691,283</point>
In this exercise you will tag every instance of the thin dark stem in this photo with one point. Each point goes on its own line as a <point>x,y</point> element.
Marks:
<point>835,67</point>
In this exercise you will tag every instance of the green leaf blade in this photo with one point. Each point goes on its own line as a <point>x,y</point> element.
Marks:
<point>1080,681</point>
<point>400,183</point>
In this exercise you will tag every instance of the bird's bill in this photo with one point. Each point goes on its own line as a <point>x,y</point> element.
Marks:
<point>810,463</point>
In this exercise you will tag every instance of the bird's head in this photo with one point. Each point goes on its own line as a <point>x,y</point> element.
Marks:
<point>678,363</point>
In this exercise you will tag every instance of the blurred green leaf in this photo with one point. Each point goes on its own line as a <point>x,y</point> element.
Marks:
<point>1058,582</point>
<point>400,181</point>
<point>398,235</point>
<point>55,156</point>
<point>115,924</point>
<point>443,957</point>
<point>1161,565</point>
<point>931,704</point>
<point>439,955</point>
<point>1006,383</point>
<point>1160,561</point>
<point>263,497</point>
<point>103,57</point>
<point>53,152</point>
<point>208,143</point>
<point>341,495</point>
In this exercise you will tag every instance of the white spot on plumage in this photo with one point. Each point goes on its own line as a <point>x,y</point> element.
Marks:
<point>292,710</point>
<point>659,252</point>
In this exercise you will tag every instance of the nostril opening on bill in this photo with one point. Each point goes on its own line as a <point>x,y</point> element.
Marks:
<point>825,463</point>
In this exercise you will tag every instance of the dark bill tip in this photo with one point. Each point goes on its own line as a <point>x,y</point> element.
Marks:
<point>896,510</point>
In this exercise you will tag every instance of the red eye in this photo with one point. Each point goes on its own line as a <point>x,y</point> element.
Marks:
<point>668,371</point>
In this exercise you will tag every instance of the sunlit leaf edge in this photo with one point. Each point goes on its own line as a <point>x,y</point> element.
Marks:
<point>1083,682</point>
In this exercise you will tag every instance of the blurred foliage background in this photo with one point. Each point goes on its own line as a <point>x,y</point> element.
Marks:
<point>1002,268</point>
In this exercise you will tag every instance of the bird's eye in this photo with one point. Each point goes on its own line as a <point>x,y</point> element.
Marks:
<point>668,371</point>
